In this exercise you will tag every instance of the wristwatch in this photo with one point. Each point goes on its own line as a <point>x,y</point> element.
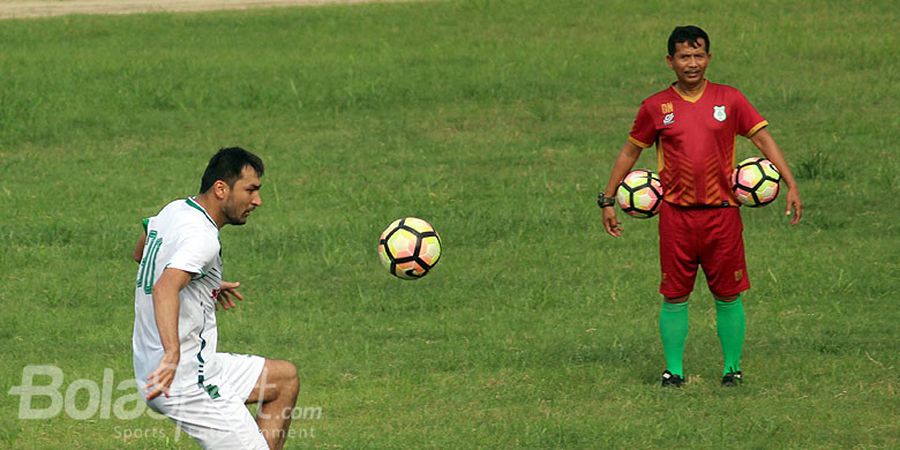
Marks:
<point>605,202</point>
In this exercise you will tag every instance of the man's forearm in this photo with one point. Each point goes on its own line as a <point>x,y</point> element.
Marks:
<point>769,148</point>
<point>624,162</point>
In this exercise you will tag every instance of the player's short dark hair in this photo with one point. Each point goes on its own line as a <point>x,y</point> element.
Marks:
<point>689,34</point>
<point>227,164</point>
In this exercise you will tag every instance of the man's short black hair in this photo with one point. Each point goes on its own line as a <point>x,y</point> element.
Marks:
<point>227,164</point>
<point>689,34</point>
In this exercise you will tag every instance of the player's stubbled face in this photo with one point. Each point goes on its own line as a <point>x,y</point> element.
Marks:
<point>243,198</point>
<point>689,63</point>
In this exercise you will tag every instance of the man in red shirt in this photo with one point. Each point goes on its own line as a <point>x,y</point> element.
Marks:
<point>693,124</point>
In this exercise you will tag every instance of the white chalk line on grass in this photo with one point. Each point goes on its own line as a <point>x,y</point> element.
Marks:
<point>27,9</point>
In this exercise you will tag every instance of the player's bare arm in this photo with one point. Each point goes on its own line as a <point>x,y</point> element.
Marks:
<point>139,248</point>
<point>628,155</point>
<point>166,304</point>
<point>766,144</point>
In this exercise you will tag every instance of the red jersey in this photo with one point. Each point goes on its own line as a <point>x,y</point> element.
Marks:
<point>695,141</point>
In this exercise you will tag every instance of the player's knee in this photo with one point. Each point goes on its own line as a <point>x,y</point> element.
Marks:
<point>294,378</point>
<point>726,298</point>
<point>681,299</point>
<point>289,377</point>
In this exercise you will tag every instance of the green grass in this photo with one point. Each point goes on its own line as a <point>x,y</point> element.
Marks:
<point>497,122</point>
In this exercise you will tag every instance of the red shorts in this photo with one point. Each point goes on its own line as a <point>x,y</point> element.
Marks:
<point>708,237</point>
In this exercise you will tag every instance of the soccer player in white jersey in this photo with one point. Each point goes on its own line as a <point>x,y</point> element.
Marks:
<point>178,286</point>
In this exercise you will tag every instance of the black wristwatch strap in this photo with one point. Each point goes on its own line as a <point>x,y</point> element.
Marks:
<point>605,202</point>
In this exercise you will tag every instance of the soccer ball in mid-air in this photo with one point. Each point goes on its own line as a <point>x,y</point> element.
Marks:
<point>755,182</point>
<point>640,194</point>
<point>409,248</point>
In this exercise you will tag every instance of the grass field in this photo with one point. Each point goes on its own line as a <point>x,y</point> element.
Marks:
<point>498,122</point>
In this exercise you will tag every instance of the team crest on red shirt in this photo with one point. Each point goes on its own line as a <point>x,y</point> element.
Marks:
<point>719,113</point>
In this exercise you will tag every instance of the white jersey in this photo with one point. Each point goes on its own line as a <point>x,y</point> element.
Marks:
<point>181,236</point>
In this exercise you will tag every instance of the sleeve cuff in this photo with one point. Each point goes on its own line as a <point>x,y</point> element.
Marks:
<point>637,142</point>
<point>756,128</point>
<point>187,267</point>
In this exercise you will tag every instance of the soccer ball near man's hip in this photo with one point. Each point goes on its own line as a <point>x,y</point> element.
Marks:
<point>640,194</point>
<point>755,182</point>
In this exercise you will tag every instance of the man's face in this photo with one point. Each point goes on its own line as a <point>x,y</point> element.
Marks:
<point>243,198</point>
<point>689,62</point>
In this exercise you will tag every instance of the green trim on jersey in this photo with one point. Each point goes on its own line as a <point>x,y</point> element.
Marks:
<point>146,223</point>
<point>211,389</point>
<point>193,204</point>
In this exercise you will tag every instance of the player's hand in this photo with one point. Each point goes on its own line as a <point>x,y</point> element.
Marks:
<point>794,202</point>
<point>227,293</point>
<point>160,379</point>
<point>611,222</point>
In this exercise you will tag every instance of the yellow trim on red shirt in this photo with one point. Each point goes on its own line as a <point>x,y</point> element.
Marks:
<point>637,142</point>
<point>756,128</point>
<point>692,98</point>
<point>734,152</point>
<point>660,159</point>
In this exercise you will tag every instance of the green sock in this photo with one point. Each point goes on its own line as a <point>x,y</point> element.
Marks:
<point>673,328</point>
<point>730,327</point>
